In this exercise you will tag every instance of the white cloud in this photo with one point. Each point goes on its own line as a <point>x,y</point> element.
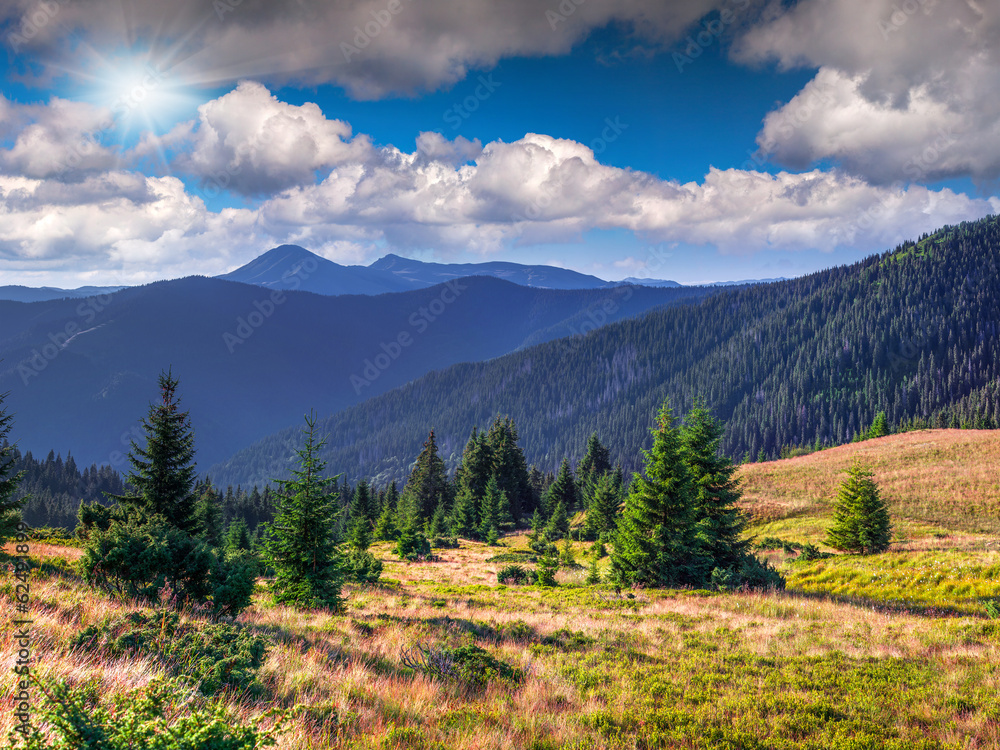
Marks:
<point>446,197</point>
<point>61,139</point>
<point>371,47</point>
<point>252,143</point>
<point>905,91</point>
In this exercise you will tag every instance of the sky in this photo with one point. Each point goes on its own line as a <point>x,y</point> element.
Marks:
<point>703,140</point>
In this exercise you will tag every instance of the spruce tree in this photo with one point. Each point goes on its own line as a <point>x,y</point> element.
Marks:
<point>162,474</point>
<point>596,463</point>
<point>300,543</point>
<point>716,489</point>
<point>386,529</point>
<point>558,525</point>
<point>208,515</point>
<point>656,544</point>
<point>509,466</point>
<point>237,538</point>
<point>10,508</point>
<point>605,506</point>
<point>495,512</point>
<point>861,517</point>
<point>880,427</point>
<point>563,491</point>
<point>428,481</point>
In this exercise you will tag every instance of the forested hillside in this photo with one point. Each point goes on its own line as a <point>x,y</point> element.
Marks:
<point>911,332</point>
<point>254,360</point>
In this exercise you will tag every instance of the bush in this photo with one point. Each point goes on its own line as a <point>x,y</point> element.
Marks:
<point>217,655</point>
<point>471,665</point>
<point>361,566</point>
<point>444,542</point>
<point>515,575</point>
<point>160,715</point>
<point>413,545</point>
<point>515,556</point>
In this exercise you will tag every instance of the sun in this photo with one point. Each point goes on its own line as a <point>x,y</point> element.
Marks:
<point>141,93</point>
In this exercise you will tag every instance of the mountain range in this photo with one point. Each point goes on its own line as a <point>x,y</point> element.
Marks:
<point>291,267</point>
<point>252,360</point>
<point>804,362</point>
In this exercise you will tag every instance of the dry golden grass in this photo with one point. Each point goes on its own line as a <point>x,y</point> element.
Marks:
<point>934,480</point>
<point>895,647</point>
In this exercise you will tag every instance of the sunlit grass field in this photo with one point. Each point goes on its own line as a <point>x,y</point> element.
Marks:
<point>897,650</point>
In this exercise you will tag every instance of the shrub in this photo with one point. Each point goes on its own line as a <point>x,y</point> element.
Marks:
<point>160,715</point>
<point>216,655</point>
<point>444,542</point>
<point>515,556</point>
<point>515,575</point>
<point>412,545</point>
<point>361,566</point>
<point>471,665</point>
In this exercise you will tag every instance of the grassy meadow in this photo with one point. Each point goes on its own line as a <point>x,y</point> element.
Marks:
<point>898,650</point>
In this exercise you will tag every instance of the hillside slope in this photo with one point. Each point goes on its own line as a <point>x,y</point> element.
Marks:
<point>912,332</point>
<point>949,479</point>
<point>251,361</point>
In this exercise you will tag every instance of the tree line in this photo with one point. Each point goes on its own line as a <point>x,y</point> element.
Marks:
<point>806,362</point>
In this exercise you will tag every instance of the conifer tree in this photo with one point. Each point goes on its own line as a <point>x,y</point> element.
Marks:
<point>495,512</point>
<point>880,427</point>
<point>716,489</point>
<point>208,515</point>
<point>362,503</point>
<point>509,466</point>
<point>151,539</point>
<point>162,473</point>
<point>558,525</point>
<point>861,518</point>
<point>300,545</point>
<point>656,544</point>
<point>605,506</point>
<point>563,491</point>
<point>386,529</point>
<point>428,481</point>
<point>237,538</point>
<point>10,508</point>
<point>596,462</point>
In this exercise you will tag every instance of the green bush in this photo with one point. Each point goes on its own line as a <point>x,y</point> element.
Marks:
<point>444,542</point>
<point>515,556</point>
<point>470,665</point>
<point>515,575</point>
<point>160,716</point>
<point>361,566</point>
<point>217,656</point>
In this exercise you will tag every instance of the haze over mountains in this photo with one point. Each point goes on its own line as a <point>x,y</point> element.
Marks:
<point>253,360</point>
<point>291,267</point>
<point>811,360</point>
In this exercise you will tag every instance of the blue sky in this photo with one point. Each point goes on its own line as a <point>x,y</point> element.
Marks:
<point>698,142</point>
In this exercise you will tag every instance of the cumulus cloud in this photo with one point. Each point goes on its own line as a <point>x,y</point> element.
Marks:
<point>446,196</point>
<point>251,142</point>
<point>905,90</point>
<point>61,139</point>
<point>371,47</point>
